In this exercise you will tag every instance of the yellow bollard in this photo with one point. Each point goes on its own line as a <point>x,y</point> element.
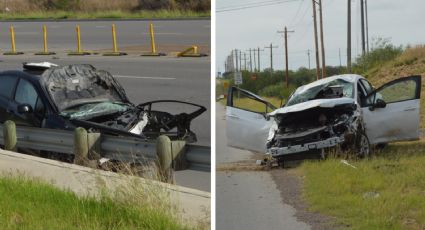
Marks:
<point>115,51</point>
<point>114,39</point>
<point>45,49</point>
<point>12,38</point>
<point>153,46</point>
<point>191,52</point>
<point>79,50</point>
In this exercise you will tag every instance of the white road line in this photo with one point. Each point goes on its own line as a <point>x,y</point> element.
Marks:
<point>140,77</point>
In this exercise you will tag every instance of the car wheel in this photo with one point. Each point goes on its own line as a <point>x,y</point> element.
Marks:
<point>362,145</point>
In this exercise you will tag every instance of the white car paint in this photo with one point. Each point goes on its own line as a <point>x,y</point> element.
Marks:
<point>396,122</point>
<point>247,130</point>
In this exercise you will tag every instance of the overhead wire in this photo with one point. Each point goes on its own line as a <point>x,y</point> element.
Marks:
<point>261,4</point>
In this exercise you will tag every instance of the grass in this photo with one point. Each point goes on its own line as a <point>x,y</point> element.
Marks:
<point>31,204</point>
<point>110,14</point>
<point>385,192</point>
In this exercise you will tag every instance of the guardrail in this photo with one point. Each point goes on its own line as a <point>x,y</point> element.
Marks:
<point>177,155</point>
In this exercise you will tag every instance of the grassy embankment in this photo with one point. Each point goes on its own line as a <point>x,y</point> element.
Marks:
<point>113,14</point>
<point>97,9</point>
<point>386,191</point>
<point>32,204</point>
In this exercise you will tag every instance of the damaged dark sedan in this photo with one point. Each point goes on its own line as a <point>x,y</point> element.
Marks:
<point>344,111</point>
<point>64,97</point>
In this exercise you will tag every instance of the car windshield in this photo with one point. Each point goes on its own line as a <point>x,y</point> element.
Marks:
<point>303,95</point>
<point>91,110</point>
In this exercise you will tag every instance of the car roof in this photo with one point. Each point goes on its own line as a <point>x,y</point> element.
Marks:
<point>346,77</point>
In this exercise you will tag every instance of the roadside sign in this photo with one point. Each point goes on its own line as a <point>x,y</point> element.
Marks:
<point>238,78</point>
<point>254,77</point>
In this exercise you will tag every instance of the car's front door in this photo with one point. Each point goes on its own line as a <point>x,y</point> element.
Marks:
<point>247,127</point>
<point>391,113</point>
<point>26,94</point>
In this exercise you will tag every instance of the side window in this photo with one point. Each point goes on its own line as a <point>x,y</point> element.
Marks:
<point>25,93</point>
<point>366,86</point>
<point>242,100</point>
<point>7,84</point>
<point>398,91</point>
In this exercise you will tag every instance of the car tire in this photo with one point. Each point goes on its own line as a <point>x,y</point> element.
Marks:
<point>362,145</point>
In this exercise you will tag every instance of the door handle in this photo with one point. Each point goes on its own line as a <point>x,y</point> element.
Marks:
<point>410,109</point>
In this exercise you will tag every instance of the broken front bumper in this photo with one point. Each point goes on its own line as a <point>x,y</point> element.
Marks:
<point>280,151</point>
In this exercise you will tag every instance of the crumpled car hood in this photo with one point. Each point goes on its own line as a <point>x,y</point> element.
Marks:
<point>80,84</point>
<point>323,103</point>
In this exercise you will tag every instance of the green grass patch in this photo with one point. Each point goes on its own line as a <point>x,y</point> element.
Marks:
<point>31,204</point>
<point>385,192</point>
<point>115,14</point>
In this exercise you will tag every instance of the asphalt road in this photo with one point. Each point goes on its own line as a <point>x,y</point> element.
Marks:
<point>97,34</point>
<point>144,78</point>
<point>247,200</point>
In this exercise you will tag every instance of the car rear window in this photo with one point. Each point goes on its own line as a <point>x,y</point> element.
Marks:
<point>7,84</point>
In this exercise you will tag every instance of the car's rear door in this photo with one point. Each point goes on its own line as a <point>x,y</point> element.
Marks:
<point>7,86</point>
<point>247,127</point>
<point>398,119</point>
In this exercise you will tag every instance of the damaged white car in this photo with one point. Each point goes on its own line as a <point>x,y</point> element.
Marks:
<point>343,110</point>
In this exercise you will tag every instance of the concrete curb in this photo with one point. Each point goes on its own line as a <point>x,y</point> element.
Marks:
<point>194,204</point>
<point>107,19</point>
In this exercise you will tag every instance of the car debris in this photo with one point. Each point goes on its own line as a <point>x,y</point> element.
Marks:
<point>342,111</point>
<point>65,97</point>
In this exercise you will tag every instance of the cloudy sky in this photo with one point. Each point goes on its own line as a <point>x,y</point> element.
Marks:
<point>401,21</point>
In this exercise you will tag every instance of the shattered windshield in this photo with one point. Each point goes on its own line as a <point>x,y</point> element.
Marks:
<point>88,111</point>
<point>303,95</point>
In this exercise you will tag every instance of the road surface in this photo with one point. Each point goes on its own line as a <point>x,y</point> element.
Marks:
<point>247,200</point>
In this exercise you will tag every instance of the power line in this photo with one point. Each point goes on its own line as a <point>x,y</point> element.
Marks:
<point>255,6</point>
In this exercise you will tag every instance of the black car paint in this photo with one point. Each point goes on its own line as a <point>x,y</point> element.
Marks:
<point>50,117</point>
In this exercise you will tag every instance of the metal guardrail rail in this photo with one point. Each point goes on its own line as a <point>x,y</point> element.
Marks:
<point>113,147</point>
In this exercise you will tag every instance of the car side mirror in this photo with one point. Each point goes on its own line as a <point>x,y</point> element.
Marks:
<point>24,109</point>
<point>380,103</point>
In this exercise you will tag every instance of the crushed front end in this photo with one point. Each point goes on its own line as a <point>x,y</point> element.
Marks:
<point>313,129</point>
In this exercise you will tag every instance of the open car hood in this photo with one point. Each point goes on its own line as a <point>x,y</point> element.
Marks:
<point>323,103</point>
<point>80,84</point>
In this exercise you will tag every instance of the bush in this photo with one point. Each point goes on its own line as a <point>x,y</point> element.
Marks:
<point>278,90</point>
<point>382,52</point>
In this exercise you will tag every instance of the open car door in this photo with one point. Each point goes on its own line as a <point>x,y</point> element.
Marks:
<point>247,127</point>
<point>391,113</point>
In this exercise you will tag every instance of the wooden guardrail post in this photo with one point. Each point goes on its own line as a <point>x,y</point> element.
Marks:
<point>164,153</point>
<point>81,148</point>
<point>9,134</point>
<point>178,149</point>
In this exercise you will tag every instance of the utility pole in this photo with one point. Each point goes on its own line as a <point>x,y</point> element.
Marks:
<point>259,63</point>
<point>349,37</point>
<point>236,60</point>
<point>255,62</point>
<point>308,54</point>
<point>339,52</point>
<point>240,60</point>
<point>316,43</point>
<point>321,40</point>
<point>285,32</point>
<point>244,58</point>
<point>250,60</point>
<point>271,56</point>
<point>367,27</point>
<point>362,25</point>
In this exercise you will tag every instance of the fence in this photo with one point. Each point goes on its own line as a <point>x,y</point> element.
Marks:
<point>171,154</point>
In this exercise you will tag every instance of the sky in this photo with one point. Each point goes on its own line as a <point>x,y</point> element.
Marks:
<point>400,21</point>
